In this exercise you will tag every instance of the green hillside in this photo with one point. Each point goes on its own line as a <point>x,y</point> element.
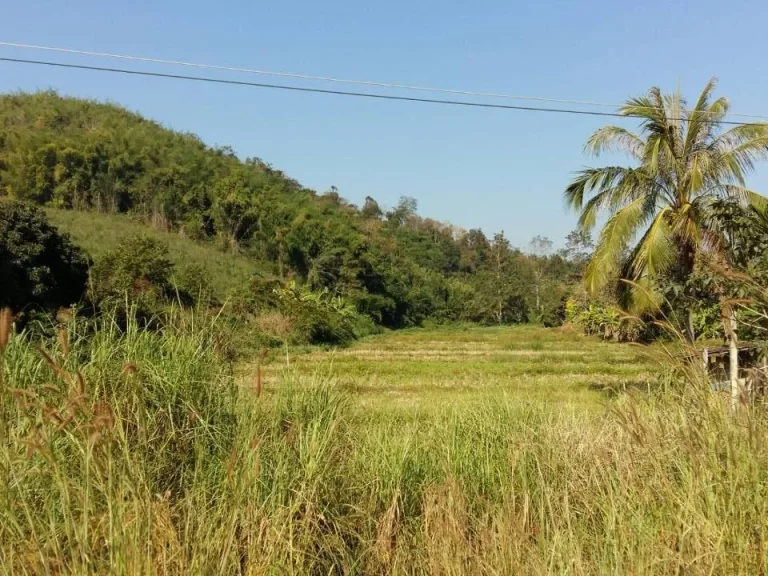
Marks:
<point>237,216</point>
<point>97,234</point>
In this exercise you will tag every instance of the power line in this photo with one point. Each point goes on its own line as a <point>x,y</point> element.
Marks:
<point>336,92</point>
<point>298,76</point>
<point>331,79</point>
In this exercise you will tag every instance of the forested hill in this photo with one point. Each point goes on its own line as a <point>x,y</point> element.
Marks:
<point>395,266</point>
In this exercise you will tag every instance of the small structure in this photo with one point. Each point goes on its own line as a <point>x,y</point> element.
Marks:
<point>752,372</point>
<point>717,360</point>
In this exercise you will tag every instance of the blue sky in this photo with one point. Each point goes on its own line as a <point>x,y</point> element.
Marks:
<point>494,169</point>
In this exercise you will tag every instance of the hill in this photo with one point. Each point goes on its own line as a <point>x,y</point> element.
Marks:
<point>394,266</point>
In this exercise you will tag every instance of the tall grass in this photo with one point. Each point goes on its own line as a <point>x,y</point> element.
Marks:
<point>131,452</point>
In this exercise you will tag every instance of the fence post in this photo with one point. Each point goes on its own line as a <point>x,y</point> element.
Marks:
<point>733,357</point>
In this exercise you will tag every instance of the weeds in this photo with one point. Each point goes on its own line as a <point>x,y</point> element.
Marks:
<point>132,452</point>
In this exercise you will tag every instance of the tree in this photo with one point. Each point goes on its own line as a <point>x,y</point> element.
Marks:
<point>474,250</point>
<point>499,286</point>
<point>540,249</point>
<point>405,210</point>
<point>38,264</point>
<point>233,208</point>
<point>683,162</point>
<point>578,247</point>
<point>371,209</point>
<point>139,270</point>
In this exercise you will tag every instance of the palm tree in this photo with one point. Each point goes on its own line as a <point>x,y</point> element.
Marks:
<point>659,208</point>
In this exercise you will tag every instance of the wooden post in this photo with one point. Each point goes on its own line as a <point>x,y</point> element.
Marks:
<point>733,357</point>
<point>705,358</point>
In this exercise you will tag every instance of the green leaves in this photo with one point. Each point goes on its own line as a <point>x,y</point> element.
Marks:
<point>138,271</point>
<point>615,139</point>
<point>684,162</point>
<point>234,209</point>
<point>613,240</point>
<point>38,265</point>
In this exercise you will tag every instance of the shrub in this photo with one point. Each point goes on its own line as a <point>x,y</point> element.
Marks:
<point>595,318</point>
<point>38,264</point>
<point>193,284</point>
<point>138,271</point>
<point>295,314</point>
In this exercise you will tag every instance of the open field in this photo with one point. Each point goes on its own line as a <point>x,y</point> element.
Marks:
<point>461,452</point>
<point>434,369</point>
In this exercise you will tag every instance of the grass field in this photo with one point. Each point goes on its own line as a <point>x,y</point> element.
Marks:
<point>423,370</point>
<point>456,452</point>
<point>98,233</point>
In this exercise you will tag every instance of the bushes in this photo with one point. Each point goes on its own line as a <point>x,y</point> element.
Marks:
<point>38,265</point>
<point>289,313</point>
<point>192,284</point>
<point>139,273</point>
<point>138,269</point>
<point>595,318</point>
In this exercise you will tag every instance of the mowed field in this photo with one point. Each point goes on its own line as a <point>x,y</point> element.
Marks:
<point>424,369</point>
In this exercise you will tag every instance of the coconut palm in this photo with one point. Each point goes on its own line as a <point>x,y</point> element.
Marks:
<point>658,209</point>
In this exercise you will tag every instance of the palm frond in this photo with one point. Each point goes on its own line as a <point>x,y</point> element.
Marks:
<point>742,157</point>
<point>613,240</point>
<point>675,104</point>
<point>703,117</point>
<point>590,179</point>
<point>742,195</point>
<point>656,250</point>
<point>736,136</point>
<point>639,296</point>
<point>615,139</point>
<point>651,108</point>
<point>590,210</point>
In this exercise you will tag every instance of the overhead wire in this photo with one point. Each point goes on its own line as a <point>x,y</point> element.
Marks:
<point>309,77</point>
<point>336,92</point>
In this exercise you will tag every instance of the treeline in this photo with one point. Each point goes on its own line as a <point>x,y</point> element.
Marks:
<point>391,265</point>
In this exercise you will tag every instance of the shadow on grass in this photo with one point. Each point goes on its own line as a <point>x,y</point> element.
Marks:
<point>624,386</point>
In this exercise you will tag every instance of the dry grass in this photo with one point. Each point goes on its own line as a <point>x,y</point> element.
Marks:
<point>425,370</point>
<point>132,453</point>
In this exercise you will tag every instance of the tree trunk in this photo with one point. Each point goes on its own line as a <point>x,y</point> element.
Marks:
<point>688,264</point>
<point>499,313</point>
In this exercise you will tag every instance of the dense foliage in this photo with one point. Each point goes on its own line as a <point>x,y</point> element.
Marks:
<point>38,265</point>
<point>686,239</point>
<point>393,266</point>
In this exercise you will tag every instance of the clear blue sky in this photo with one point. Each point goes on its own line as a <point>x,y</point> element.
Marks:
<point>498,170</point>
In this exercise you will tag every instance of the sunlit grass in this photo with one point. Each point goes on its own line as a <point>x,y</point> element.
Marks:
<point>153,462</point>
<point>98,233</point>
<point>429,369</point>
